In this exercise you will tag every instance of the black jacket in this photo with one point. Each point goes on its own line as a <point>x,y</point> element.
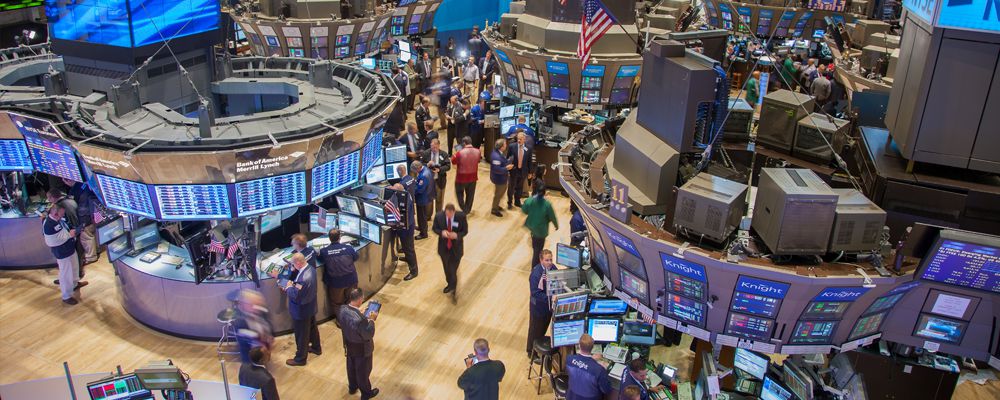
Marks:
<point>257,377</point>
<point>461,227</point>
<point>444,163</point>
<point>358,332</point>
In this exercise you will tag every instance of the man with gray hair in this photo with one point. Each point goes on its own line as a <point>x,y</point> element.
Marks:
<point>62,241</point>
<point>482,376</point>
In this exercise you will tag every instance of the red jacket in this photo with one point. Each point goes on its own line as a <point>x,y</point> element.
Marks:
<point>466,162</point>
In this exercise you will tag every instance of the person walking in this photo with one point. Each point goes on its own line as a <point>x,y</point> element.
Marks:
<point>425,195</point>
<point>539,214</point>
<point>466,161</point>
<point>358,331</point>
<point>439,163</point>
<point>500,168</point>
<point>301,293</point>
<point>451,227</point>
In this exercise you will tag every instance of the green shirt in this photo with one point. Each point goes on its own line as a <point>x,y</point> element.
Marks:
<point>540,213</point>
<point>752,91</point>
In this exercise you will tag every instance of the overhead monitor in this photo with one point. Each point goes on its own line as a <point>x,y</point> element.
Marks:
<point>14,156</point>
<point>394,154</point>
<point>118,248</point>
<point>392,170</point>
<point>964,259</point>
<point>375,175</point>
<point>273,193</point>
<point>798,382</point>
<point>374,211</point>
<point>627,253</point>
<point>567,304</point>
<point>368,63</point>
<point>758,296</point>
<point>322,225</point>
<point>49,153</point>
<point>784,23</point>
<point>867,325</point>
<point>884,303</point>
<point>371,154</point>
<point>620,96</point>
<point>414,28</point>
<point>294,41</point>
<point>532,89</point>
<point>750,362</point>
<point>126,196</point>
<point>638,333</point>
<point>590,96</point>
<point>123,387</point>
<point>800,25</point>
<point>529,74</point>
<point>813,332</point>
<point>343,40</point>
<point>350,224</point>
<point>727,16</point>
<point>749,326</point>
<point>558,93</point>
<point>335,175</point>
<point>134,24</point>
<point>825,310</point>
<point>396,30</point>
<point>772,390</point>
<point>685,309</point>
<point>110,229</point>
<point>764,18</point>
<point>635,286</point>
<point>940,329</point>
<point>684,277</point>
<point>405,3</point>
<point>512,83</point>
<point>162,378</point>
<point>608,307</point>
<point>349,204</point>
<point>568,256</point>
<point>603,330</point>
<point>567,333</point>
<point>507,112</point>
<point>271,221</point>
<point>193,202</point>
<point>371,232</point>
<point>342,52</point>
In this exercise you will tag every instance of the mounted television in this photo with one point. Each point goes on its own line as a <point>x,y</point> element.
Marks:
<point>964,259</point>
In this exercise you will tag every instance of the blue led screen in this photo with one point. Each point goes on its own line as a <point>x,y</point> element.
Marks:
<point>152,21</point>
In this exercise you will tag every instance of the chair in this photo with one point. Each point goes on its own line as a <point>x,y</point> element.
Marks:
<point>560,385</point>
<point>541,354</point>
<point>228,338</point>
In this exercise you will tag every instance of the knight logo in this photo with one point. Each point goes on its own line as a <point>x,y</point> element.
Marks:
<point>580,364</point>
<point>840,294</point>
<point>761,287</point>
<point>683,268</point>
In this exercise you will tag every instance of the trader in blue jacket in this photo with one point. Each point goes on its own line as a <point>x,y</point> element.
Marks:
<point>540,307</point>
<point>425,194</point>
<point>476,116</point>
<point>302,306</point>
<point>500,168</point>
<point>588,379</point>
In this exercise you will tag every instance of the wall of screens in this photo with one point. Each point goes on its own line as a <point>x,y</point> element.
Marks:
<point>133,24</point>
<point>755,304</point>
<point>270,194</point>
<point>685,288</point>
<point>558,80</point>
<point>49,153</point>
<point>335,175</point>
<point>126,196</point>
<point>964,260</point>
<point>591,83</point>
<point>14,156</point>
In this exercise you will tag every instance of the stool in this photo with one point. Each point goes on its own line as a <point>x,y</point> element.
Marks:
<point>736,81</point>
<point>541,354</point>
<point>560,385</point>
<point>226,318</point>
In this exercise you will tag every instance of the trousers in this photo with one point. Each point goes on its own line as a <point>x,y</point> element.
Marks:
<point>538,324</point>
<point>498,192</point>
<point>69,275</point>
<point>450,263</point>
<point>306,336</point>
<point>537,244</point>
<point>406,242</point>
<point>466,195</point>
<point>423,215</point>
<point>337,298</point>
<point>515,189</point>
<point>359,370</point>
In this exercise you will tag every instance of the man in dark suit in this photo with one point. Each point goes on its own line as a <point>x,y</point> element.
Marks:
<point>422,115</point>
<point>301,293</point>
<point>520,155</point>
<point>440,163</point>
<point>254,374</point>
<point>359,345</point>
<point>539,306</point>
<point>424,196</point>
<point>451,228</point>
<point>252,325</point>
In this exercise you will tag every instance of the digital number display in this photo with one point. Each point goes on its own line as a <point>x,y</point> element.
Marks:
<point>800,26</point>
<point>813,332</point>
<point>343,40</point>
<point>764,22</point>
<point>532,89</point>
<point>685,286</point>
<point>19,4</point>
<point>590,96</point>
<point>567,333</point>
<point>685,309</point>
<point>825,310</point>
<point>867,325</point>
<point>49,154</point>
<point>14,156</point>
<point>133,24</point>
<point>634,286</point>
<point>884,303</point>
<point>193,202</point>
<point>372,153</point>
<point>335,175</point>
<point>755,304</point>
<point>749,327</point>
<point>350,224</point>
<point>371,232</point>
<point>268,194</point>
<point>784,23</point>
<point>964,264</point>
<point>591,82</point>
<point>127,196</point>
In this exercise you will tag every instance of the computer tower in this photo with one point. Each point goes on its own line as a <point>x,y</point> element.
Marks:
<point>858,222</point>
<point>808,142</point>
<point>737,126</point>
<point>780,113</point>
<point>711,206</point>
<point>793,211</point>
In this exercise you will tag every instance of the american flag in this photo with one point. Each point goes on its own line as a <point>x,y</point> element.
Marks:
<point>394,217</point>
<point>562,2</point>
<point>597,21</point>
<point>216,246</point>
<point>233,247</point>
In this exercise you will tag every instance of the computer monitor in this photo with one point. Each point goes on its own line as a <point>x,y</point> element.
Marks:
<point>145,236</point>
<point>368,63</point>
<point>314,223</point>
<point>349,204</point>
<point>940,329</point>
<point>167,377</point>
<point>608,307</point>
<point>270,222</point>
<point>375,175</point>
<point>374,211</point>
<point>772,390</point>
<point>118,248</point>
<point>639,333</point>
<point>371,232</point>
<point>507,111</point>
<point>567,304</point>
<point>395,154</point>
<point>392,170</point>
<point>124,387</point>
<point>110,229</point>
<point>567,333</point>
<point>603,330</point>
<point>751,363</point>
<point>568,256</point>
<point>797,381</point>
<point>634,286</point>
<point>350,224</point>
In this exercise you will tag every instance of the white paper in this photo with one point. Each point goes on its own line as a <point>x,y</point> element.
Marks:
<point>849,346</point>
<point>931,346</point>
<point>667,322</point>
<point>763,347</point>
<point>822,349</point>
<point>713,385</point>
<point>907,369</point>
<point>995,363</point>
<point>744,344</point>
<point>952,306</point>
<point>699,333</point>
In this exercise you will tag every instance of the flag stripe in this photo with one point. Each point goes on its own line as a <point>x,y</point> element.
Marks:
<point>597,20</point>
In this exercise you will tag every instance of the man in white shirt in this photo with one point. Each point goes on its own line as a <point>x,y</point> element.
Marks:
<point>470,75</point>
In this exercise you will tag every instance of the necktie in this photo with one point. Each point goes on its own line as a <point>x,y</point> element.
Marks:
<point>449,230</point>
<point>520,156</point>
<point>412,147</point>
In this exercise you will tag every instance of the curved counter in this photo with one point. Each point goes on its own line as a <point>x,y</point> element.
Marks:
<point>166,298</point>
<point>57,388</point>
<point>21,242</point>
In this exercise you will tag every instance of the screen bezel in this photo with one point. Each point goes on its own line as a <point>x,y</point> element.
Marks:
<point>618,329</point>
<point>926,317</point>
<point>959,236</point>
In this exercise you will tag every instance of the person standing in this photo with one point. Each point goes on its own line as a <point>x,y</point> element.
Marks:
<point>470,74</point>
<point>358,331</point>
<point>254,374</point>
<point>482,376</point>
<point>540,214</point>
<point>460,117</point>
<point>85,226</point>
<point>577,228</point>
<point>425,194</point>
<point>301,293</point>
<point>300,245</point>
<point>412,141</point>
<point>62,242</point>
<point>439,162</point>
<point>252,325</point>
<point>521,156</point>
<point>452,128</point>
<point>425,70</point>
<point>476,118</point>
<point>451,227</point>
<point>422,116</point>
<point>539,306</point>
<point>466,161</point>
<point>821,87</point>
<point>340,275</point>
<point>488,69</point>
<point>500,168</point>
<point>753,89</point>
<point>405,233</point>
<point>588,379</point>
<point>71,217</point>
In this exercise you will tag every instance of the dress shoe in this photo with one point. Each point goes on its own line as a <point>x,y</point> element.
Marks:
<point>510,207</point>
<point>497,213</point>
<point>55,282</point>
<point>294,363</point>
<point>420,237</point>
<point>447,289</point>
<point>409,276</point>
<point>81,284</point>
<point>352,391</point>
<point>316,352</point>
<point>71,301</point>
<point>374,393</point>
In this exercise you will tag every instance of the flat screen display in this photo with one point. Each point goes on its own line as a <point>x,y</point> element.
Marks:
<point>392,170</point>
<point>827,5</point>
<point>567,333</point>
<point>343,40</point>
<point>764,22</point>
<point>884,303</point>
<point>749,326</point>
<point>14,156</point>
<point>126,196</point>
<point>273,193</point>
<point>371,232</point>
<point>568,256</point>
<point>529,74</point>
<point>755,304</point>
<point>349,224</point>
<point>825,310</point>
<point>608,307</point>
<point>372,151</point>
<point>376,175</point>
<point>145,236</point>
<point>20,4</point>
<point>603,330</point>
<point>349,204</point>
<point>784,23</point>
<point>322,225</point>
<point>797,381</point>
<point>620,96</point>
<point>590,96</point>
<point>193,202</point>
<point>752,363</point>
<point>964,263</point>
<point>405,3</point>
<point>867,326</point>
<point>413,29</point>
<point>813,332</point>
<point>800,25</point>
<point>685,309</point>
<point>940,329</point>
<point>118,248</point>
<point>638,333</point>
<point>772,390</point>
<point>570,304</point>
<point>532,89</point>
<point>395,154</point>
<point>271,221</point>
<point>110,230</point>
<point>335,175</point>
<point>396,30</point>
<point>342,52</point>
<point>119,387</point>
<point>635,286</point>
<point>591,82</point>
<point>398,19</point>
<point>727,16</point>
<point>558,93</point>
<point>150,21</point>
<point>272,41</point>
<point>374,212</point>
<point>294,41</point>
<point>48,152</point>
<point>512,83</point>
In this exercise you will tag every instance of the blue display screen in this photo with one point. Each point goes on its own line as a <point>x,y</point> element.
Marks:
<point>335,175</point>
<point>762,287</point>
<point>49,154</point>
<point>840,294</point>
<point>152,21</point>
<point>371,232</point>
<point>685,309</point>
<point>594,71</point>
<point>193,202</point>
<point>317,225</point>
<point>940,329</point>
<point>372,153</point>
<point>683,267</point>
<point>502,55</point>
<point>750,327</point>
<point>350,224</point>
<point>268,194</point>
<point>755,304</point>
<point>559,93</point>
<point>764,22</point>
<point>801,24</point>
<point>14,156</point>
<point>628,70</point>
<point>964,264</point>
<point>608,306</point>
<point>127,196</point>
<point>567,333</point>
<point>557,67</point>
<point>813,332</point>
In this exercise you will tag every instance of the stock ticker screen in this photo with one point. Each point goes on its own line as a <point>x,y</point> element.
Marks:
<point>964,264</point>
<point>335,175</point>
<point>749,326</point>
<point>271,193</point>
<point>813,332</point>
<point>127,196</point>
<point>685,309</point>
<point>193,202</point>
<point>14,156</point>
<point>685,286</point>
<point>134,23</point>
<point>49,154</point>
<point>755,304</point>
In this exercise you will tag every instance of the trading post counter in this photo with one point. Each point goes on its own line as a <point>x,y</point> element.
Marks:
<point>21,242</point>
<point>163,296</point>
